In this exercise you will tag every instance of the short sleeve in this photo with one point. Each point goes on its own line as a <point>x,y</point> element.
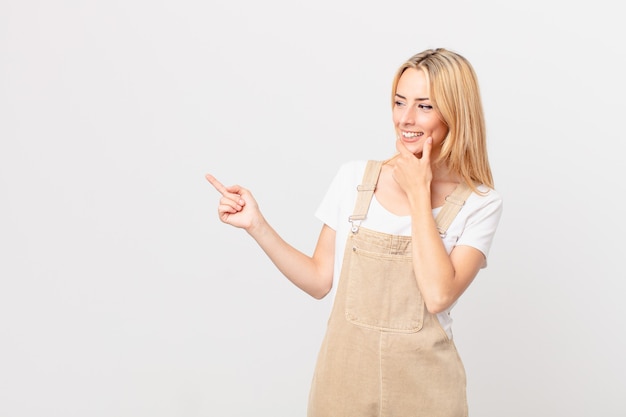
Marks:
<point>482,222</point>
<point>337,203</point>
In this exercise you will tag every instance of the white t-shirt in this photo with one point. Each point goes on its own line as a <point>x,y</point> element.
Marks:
<point>474,225</point>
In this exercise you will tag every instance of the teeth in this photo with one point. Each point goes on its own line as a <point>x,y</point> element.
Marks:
<point>410,134</point>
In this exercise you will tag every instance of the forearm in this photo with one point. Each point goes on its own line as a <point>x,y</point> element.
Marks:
<point>302,270</point>
<point>433,268</point>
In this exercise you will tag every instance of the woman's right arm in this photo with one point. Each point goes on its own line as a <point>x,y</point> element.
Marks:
<point>312,274</point>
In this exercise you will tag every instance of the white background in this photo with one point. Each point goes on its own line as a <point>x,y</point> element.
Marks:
<point>122,294</point>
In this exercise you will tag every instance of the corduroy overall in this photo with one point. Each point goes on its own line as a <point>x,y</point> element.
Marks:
<point>384,354</point>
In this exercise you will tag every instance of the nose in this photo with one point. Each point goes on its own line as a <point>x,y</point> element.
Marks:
<point>407,117</point>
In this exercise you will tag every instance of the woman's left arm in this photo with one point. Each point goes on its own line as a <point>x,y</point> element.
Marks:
<point>441,278</point>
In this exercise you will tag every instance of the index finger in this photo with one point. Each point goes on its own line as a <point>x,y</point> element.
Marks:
<point>428,144</point>
<point>215,183</point>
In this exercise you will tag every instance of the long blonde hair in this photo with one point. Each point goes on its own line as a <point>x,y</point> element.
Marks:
<point>456,97</point>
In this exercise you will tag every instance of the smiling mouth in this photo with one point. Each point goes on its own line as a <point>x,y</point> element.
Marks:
<point>409,135</point>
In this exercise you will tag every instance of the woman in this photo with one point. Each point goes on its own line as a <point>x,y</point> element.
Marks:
<point>405,237</point>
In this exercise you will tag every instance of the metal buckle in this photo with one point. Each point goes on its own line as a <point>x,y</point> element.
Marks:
<point>355,224</point>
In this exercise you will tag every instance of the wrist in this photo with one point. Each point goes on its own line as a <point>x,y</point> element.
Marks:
<point>257,227</point>
<point>419,197</point>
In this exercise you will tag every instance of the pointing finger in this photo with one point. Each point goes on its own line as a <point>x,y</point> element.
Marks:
<point>228,193</point>
<point>215,183</point>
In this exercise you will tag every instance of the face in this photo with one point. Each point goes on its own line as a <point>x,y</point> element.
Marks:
<point>414,116</point>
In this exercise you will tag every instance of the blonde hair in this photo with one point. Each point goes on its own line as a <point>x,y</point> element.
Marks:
<point>455,95</point>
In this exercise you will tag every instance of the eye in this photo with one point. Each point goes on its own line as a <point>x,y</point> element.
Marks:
<point>425,107</point>
<point>399,103</point>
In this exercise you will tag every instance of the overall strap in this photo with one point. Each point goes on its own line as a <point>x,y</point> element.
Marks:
<point>454,203</point>
<point>365,193</point>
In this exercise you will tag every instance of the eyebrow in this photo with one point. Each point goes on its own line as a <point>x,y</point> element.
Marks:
<point>417,99</point>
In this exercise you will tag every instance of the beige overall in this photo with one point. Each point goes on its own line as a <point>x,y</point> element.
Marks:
<point>384,354</point>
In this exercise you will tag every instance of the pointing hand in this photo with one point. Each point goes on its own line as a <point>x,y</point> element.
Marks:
<point>237,206</point>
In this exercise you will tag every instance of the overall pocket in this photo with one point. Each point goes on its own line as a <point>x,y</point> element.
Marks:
<point>382,292</point>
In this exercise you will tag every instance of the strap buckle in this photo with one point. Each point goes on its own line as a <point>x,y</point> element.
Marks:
<point>356,223</point>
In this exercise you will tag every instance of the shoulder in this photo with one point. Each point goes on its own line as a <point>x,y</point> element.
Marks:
<point>354,166</point>
<point>486,194</point>
<point>340,195</point>
<point>351,171</point>
<point>488,201</point>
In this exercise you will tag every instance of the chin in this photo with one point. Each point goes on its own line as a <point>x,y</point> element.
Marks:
<point>414,147</point>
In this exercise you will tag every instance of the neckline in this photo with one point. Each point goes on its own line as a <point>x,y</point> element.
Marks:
<point>400,216</point>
